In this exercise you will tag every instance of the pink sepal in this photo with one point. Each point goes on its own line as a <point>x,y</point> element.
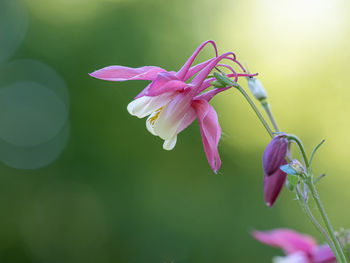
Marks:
<point>120,73</point>
<point>286,239</point>
<point>185,68</point>
<point>210,131</point>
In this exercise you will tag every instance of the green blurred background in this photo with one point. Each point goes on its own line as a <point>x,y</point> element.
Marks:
<point>83,181</point>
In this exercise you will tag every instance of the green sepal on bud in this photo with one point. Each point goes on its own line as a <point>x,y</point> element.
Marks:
<point>297,166</point>
<point>292,181</point>
<point>218,84</point>
<point>293,169</point>
<point>223,80</point>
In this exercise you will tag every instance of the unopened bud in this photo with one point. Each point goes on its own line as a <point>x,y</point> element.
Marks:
<point>274,177</point>
<point>275,154</point>
<point>256,88</point>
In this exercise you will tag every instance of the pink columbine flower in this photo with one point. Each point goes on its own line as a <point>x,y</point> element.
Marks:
<point>299,248</point>
<point>274,177</point>
<point>172,104</point>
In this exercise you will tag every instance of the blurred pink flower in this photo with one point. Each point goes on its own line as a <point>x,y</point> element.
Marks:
<point>172,104</point>
<point>274,177</point>
<point>299,248</point>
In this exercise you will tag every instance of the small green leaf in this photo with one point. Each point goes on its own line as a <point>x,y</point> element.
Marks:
<point>316,180</point>
<point>293,181</point>
<point>315,150</point>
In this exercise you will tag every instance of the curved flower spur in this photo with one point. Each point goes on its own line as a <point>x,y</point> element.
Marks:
<point>172,104</point>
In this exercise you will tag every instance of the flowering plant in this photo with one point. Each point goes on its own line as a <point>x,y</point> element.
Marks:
<point>173,100</point>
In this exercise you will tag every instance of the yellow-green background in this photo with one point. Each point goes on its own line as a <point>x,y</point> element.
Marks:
<point>114,195</point>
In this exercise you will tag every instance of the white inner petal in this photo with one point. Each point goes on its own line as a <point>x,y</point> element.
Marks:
<point>166,115</point>
<point>296,257</point>
<point>145,105</point>
<point>137,107</point>
<point>150,123</point>
<point>168,123</point>
<point>170,144</point>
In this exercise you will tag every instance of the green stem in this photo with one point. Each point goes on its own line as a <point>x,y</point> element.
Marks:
<point>301,147</point>
<point>267,108</point>
<point>304,205</point>
<point>257,112</point>
<point>326,221</point>
<point>309,182</point>
<point>334,242</point>
<point>225,81</point>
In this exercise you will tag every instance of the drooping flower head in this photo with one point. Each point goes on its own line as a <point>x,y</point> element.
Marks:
<point>274,178</point>
<point>171,103</point>
<point>299,248</point>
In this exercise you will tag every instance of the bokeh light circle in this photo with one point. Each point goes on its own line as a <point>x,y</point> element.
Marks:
<point>35,71</point>
<point>30,114</point>
<point>36,156</point>
<point>13,26</point>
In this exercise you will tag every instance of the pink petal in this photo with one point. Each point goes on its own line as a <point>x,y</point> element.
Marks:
<point>323,254</point>
<point>275,154</point>
<point>164,82</point>
<point>200,78</point>
<point>188,119</point>
<point>210,131</point>
<point>195,69</point>
<point>233,59</point>
<point>206,84</point>
<point>172,85</point>
<point>286,239</point>
<point>185,68</point>
<point>273,184</point>
<point>170,118</point>
<point>191,115</point>
<point>210,94</point>
<point>120,73</point>
<point>143,92</point>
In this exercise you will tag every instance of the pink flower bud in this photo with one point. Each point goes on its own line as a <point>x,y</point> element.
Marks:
<point>274,177</point>
<point>273,185</point>
<point>275,154</point>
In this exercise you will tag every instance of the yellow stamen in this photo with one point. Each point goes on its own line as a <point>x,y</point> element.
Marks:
<point>153,119</point>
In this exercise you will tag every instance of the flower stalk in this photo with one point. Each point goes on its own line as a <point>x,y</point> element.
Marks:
<point>306,177</point>
<point>267,108</point>
<point>305,206</point>
<point>308,181</point>
<point>228,82</point>
<point>326,221</point>
<point>257,112</point>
